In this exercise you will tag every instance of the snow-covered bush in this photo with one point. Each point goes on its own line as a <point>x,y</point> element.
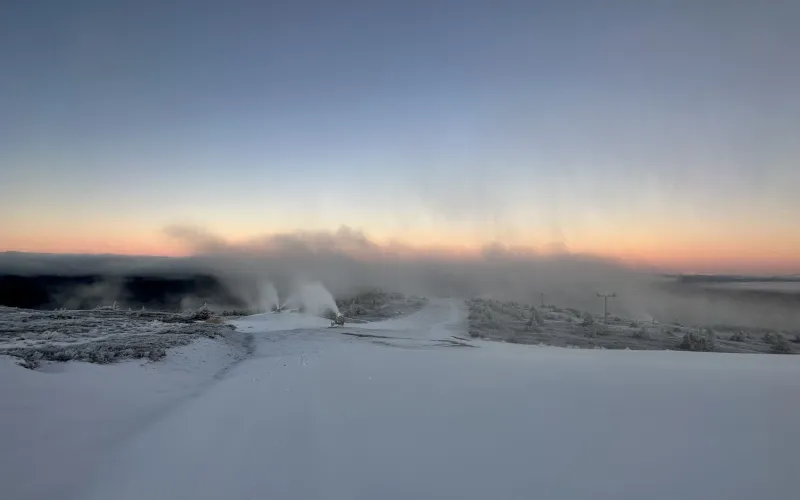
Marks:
<point>696,342</point>
<point>769,338</point>
<point>711,339</point>
<point>778,344</point>
<point>97,336</point>
<point>739,337</point>
<point>200,314</point>
<point>532,326</point>
<point>595,330</point>
<point>237,312</point>
<point>536,317</point>
<point>373,305</point>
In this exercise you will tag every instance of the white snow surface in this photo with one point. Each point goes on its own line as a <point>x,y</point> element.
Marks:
<point>59,423</point>
<point>397,414</point>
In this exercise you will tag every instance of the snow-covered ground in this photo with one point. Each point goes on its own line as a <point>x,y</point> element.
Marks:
<point>59,423</point>
<point>404,409</point>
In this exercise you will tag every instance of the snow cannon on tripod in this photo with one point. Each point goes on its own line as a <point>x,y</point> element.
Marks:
<point>338,320</point>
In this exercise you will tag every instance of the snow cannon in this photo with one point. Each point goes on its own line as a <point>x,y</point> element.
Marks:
<point>338,320</point>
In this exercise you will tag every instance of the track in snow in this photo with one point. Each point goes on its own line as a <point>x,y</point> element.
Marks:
<point>315,414</point>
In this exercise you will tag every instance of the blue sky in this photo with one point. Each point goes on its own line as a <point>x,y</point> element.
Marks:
<point>613,127</point>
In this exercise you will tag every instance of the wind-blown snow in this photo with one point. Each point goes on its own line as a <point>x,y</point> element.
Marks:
<point>392,411</point>
<point>314,298</point>
<point>268,297</point>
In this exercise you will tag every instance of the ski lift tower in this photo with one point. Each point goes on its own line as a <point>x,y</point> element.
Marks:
<point>605,297</point>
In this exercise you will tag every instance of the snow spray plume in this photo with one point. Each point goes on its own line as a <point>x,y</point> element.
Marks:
<point>347,262</point>
<point>313,298</point>
<point>268,298</point>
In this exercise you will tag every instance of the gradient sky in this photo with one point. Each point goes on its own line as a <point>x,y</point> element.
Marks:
<point>663,132</point>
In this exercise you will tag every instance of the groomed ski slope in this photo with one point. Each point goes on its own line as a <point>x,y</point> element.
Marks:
<point>316,414</point>
<point>59,423</point>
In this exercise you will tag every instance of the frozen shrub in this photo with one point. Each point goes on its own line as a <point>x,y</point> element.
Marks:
<point>588,320</point>
<point>594,330</point>
<point>696,342</point>
<point>532,326</point>
<point>711,340</point>
<point>692,342</point>
<point>770,338</point>
<point>536,317</point>
<point>739,337</point>
<point>156,354</point>
<point>237,312</point>
<point>31,360</point>
<point>375,304</point>
<point>201,314</point>
<point>779,345</point>
<point>511,309</point>
<point>83,340</point>
<point>641,334</point>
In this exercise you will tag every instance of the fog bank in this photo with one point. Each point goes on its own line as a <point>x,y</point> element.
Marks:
<point>276,267</point>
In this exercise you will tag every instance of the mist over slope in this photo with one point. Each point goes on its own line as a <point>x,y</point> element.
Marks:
<point>347,261</point>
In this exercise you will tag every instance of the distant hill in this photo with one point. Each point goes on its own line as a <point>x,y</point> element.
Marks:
<point>733,278</point>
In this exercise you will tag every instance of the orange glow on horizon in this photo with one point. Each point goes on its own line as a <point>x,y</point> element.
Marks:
<point>95,246</point>
<point>673,255</point>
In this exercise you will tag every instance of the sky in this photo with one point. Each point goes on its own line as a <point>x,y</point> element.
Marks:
<point>662,133</point>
